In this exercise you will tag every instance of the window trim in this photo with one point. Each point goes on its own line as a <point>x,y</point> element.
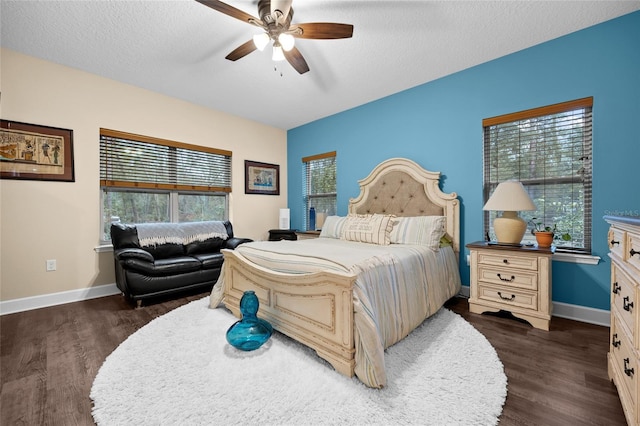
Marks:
<point>538,112</point>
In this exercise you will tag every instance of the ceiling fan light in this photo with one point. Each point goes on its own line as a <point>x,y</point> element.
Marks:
<point>261,41</point>
<point>286,41</point>
<point>278,54</point>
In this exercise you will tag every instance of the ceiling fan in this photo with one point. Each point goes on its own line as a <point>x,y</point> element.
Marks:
<point>275,20</point>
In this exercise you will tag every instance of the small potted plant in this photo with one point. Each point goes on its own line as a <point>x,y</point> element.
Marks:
<point>545,234</point>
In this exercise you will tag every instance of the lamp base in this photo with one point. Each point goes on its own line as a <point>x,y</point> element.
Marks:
<point>509,228</point>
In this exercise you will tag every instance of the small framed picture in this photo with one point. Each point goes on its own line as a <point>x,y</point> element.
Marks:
<point>261,178</point>
<point>34,152</point>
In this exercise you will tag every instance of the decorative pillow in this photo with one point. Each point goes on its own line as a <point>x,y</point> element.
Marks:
<point>445,242</point>
<point>422,230</point>
<point>374,229</point>
<point>332,227</point>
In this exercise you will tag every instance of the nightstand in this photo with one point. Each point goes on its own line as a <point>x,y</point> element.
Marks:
<point>282,234</point>
<point>511,278</point>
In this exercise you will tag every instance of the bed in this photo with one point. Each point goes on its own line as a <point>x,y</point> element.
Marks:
<point>346,298</point>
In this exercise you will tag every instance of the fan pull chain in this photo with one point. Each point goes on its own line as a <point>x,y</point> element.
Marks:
<point>275,68</point>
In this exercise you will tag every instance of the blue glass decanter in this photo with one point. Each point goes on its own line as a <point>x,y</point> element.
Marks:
<point>250,332</point>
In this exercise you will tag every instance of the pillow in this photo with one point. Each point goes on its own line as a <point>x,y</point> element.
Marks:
<point>422,230</point>
<point>445,242</point>
<point>332,227</point>
<point>374,229</point>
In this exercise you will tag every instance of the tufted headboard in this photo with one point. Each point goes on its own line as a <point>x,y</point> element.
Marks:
<point>401,187</point>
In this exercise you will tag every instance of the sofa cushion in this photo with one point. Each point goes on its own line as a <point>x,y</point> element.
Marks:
<point>164,267</point>
<point>211,245</point>
<point>165,251</point>
<point>210,260</point>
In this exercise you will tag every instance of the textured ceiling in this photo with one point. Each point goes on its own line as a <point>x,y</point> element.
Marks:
<point>178,47</point>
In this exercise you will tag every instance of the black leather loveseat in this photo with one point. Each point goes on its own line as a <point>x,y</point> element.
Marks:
<point>156,259</point>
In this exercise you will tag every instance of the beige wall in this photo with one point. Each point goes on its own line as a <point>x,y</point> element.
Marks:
<point>59,220</point>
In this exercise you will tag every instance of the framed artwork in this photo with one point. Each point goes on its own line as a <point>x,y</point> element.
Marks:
<point>261,178</point>
<point>33,152</point>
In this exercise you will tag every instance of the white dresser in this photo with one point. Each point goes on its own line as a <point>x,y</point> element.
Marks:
<point>624,348</point>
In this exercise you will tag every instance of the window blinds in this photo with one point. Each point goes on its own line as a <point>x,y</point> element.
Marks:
<point>136,161</point>
<point>319,183</point>
<point>549,150</point>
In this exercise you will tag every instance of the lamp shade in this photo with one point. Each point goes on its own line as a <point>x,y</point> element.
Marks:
<point>261,41</point>
<point>278,54</point>
<point>509,198</point>
<point>286,41</point>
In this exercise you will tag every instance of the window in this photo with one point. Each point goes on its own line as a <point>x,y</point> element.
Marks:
<point>145,179</point>
<point>548,149</point>
<point>319,184</point>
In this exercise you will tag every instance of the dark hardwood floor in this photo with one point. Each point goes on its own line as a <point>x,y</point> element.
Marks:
<point>50,356</point>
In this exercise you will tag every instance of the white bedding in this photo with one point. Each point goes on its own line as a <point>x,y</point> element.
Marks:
<point>397,287</point>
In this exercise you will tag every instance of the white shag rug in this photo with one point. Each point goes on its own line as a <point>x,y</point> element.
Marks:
<point>179,369</point>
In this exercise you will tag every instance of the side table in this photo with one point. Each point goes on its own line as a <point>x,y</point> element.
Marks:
<point>282,234</point>
<point>511,278</point>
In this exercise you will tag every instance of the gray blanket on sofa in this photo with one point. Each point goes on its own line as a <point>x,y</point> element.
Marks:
<point>151,234</point>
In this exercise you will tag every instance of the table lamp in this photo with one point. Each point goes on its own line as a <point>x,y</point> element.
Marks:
<point>509,197</point>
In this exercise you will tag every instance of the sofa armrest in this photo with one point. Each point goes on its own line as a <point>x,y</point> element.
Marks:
<point>133,253</point>
<point>232,243</point>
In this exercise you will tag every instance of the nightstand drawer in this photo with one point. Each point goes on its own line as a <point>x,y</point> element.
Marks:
<point>508,259</point>
<point>623,298</point>
<point>508,277</point>
<point>509,296</point>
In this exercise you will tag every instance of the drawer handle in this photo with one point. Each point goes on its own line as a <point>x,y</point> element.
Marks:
<point>505,261</point>
<point>614,242</point>
<point>628,371</point>
<point>507,280</point>
<point>632,252</point>
<point>513,296</point>
<point>626,304</point>
<point>616,288</point>
<point>615,342</point>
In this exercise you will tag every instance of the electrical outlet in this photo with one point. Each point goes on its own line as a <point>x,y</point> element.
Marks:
<point>51,265</point>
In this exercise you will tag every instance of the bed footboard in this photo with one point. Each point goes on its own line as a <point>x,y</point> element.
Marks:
<point>315,309</point>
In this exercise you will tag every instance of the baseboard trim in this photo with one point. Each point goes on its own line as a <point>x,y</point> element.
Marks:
<point>568,311</point>
<point>582,313</point>
<point>561,310</point>
<point>53,299</point>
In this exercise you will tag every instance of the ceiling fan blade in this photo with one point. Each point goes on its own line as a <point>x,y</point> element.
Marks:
<point>294,57</point>
<point>241,51</point>
<point>230,11</point>
<point>321,30</point>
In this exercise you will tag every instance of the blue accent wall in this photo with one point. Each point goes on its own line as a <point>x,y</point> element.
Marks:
<point>439,125</point>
